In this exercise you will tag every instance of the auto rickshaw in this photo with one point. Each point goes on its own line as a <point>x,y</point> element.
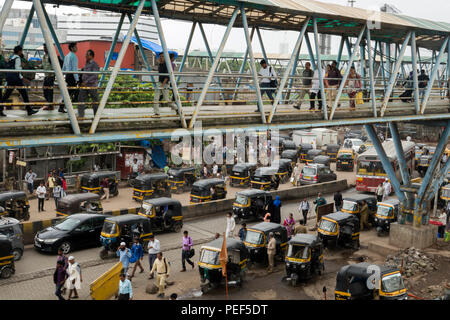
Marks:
<point>332,151</point>
<point>288,145</point>
<point>11,229</point>
<point>7,267</point>
<point>423,164</point>
<point>164,214</point>
<point>241,173</point>
<point>312,154</point>
<point>418,151</point>
<point>91,182</point>
<point>353,205</point>
<point>445,192</point>
<point>124,228</point>
<point>79,203</point>
<point>210,268</point>
<point>15,205</point>
<point>265,178</point>
<point>151,185</point>
<point>284,170</point>
<point>339,228</point>
<point>292,155</point>
<point>325,160</point>
<point>304,258</point>
<point>352,283</point>
<point>181,179</point>
<point>387,213</point>
<point>201,190</point>
<point>345,160</point>
<point>257,238</point>
<point>304,149</point>
<point>251,203</point>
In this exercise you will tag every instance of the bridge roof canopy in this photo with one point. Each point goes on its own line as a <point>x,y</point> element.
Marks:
<point>288,15</point>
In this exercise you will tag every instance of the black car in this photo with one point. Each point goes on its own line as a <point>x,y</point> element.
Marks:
<point>74,232</point>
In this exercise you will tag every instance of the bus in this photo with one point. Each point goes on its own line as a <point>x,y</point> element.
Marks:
<point>369,170</point>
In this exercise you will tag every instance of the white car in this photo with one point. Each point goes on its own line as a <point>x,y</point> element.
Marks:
<point>353,144</point>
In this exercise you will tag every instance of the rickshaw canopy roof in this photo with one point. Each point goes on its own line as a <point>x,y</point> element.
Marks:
<point>100,175</point>
<point>359,270</point>
<point>180,171</point>
<point>206,183</point>
<point>244,166</point>
<point>268,227</point>
<point>284,163</point>
<point>5,246</point>
<point>163,201</point>
<point>266,171</point>
<point>307,146</point>
<point>321,159</point>
<point>306,239</point>
<point>340,216</point>
<point>333,147</point>
<point>392,202</point>
<point>252,193</point>
<point>79,197</point>
<point>314,152</point>
<point>12,195</point>
<point>289,144</point>
<point>127,219</point>
<point>232,244</point>
<point>359,197</point>
<point>146,178</point>
<point>289,154</point>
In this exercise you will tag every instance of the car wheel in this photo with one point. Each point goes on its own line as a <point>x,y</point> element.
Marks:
<point>17,253</point>
<point>65,247</point>
<point>6,273</point>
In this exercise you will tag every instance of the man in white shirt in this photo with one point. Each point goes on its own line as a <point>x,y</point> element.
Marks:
<point>29,178</point>
<point>268,74</point>
<point>215,169</point>
<point>315,92</point>
<point>387,189</point>
<point>154,247</point>
<point>41,191</point>
<point>230,225</point>
<point>304,209</point>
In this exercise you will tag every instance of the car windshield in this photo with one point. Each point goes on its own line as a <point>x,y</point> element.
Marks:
<point>345,156</point>
<point>240,199</point>
<point>328,225</point>
<point>209,257</point>
<point>309,171</point>
<point>254,237</point>
<point>147,208</point>
<point>349,205</point>
<point>298,251</point>
<point>67,224</point>
<point>384,211</point>
<point>393,282</point>
<point>109,227</point>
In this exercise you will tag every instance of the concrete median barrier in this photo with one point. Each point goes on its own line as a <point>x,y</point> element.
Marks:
<point>203,209</point>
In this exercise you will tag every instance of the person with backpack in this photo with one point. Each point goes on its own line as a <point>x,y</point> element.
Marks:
<point>49,79</point>
<point>162,269</point>
<point>17,80</point>
<point>269,81</point>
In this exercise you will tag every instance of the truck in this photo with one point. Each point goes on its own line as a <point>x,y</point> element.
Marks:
<point>302,136</point>
<point>318,137</point>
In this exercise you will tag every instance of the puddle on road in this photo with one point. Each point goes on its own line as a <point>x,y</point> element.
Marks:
<point>193,293</point>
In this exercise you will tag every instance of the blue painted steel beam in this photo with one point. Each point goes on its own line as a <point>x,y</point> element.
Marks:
<point>383,70</point>
<point>439,179</point>
<point>371,74</point>
<point>310,51</point>
<point>415,75</point>
<point>387,166</point>
<point>261,43</point>
<point>341,48</point>
<point>111,49</point>
<point>362,62</point>
<point>53,33</point>
<point>400,154</point>
<point>244,63</point>
<point>186,51</point>
<point>321,75</point>
<point>27,27</point>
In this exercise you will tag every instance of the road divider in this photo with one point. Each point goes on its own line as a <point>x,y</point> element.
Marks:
<point>202,209</point>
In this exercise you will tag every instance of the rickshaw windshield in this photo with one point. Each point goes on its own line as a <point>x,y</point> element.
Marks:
<point>109,227</point>
<point>327,225</point>
<point>384,211</point>
<point>298,251</point>
<point>345,156</point>
<point>393,282</point>
<point>147,208</point>
<point>241,199</point>
<point>67,224</point>
<point>209,257</point>
<point>349,205</point>
<point>254,237</point>
<point>446,192</point>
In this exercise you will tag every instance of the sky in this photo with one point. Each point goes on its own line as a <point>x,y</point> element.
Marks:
<point>177,32</point>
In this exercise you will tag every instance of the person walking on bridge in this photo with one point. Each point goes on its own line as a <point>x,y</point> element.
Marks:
<point>162,86</point>
<point>91,81</point>
<point>307,76</point>
<point>268,82</point>
<point>332,82</point>
<point>71,64</point>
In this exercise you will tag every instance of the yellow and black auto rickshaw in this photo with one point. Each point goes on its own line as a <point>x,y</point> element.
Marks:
<point>312,154</point>
<point>332,151</point>
<point>292,155</point>
<point>210,268</point>
<point>288,145</point>
<point>164,214</point>
<point>124,228</point>
<point>79,203</point>
<point>151,185</point>
<point>92,182</point>
<point>425,159</point>
<point>304,258</point>
<point>445,192</point>
<point>265,178</point>
<point>367,281</point>
<point>345,160</point>
<point>181,179</point>
<point>284,169</point>
<point>208,189</point>
<point>7,267</point>
<point>241,174</point>
<point>15,205</point>
<point>257,238</point>
<point>304,149</point>
<point>251,203</point>
<point>387,213</point>
<point>339,228</point>
<point>354,203</point>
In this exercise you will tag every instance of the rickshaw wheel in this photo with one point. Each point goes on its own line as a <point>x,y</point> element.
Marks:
<point>6,273</point>
<point>177,227</point>
<point>103,254</point>
<point>17,253</point>
<point>294,282</point>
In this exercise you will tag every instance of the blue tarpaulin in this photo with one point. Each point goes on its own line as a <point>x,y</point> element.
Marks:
<point>156,48</point>
<point>158,155</point>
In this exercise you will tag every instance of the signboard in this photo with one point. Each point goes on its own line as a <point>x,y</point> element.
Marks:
<point>21,163</point>
<point>324,210</point>
<point>75,158</point>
